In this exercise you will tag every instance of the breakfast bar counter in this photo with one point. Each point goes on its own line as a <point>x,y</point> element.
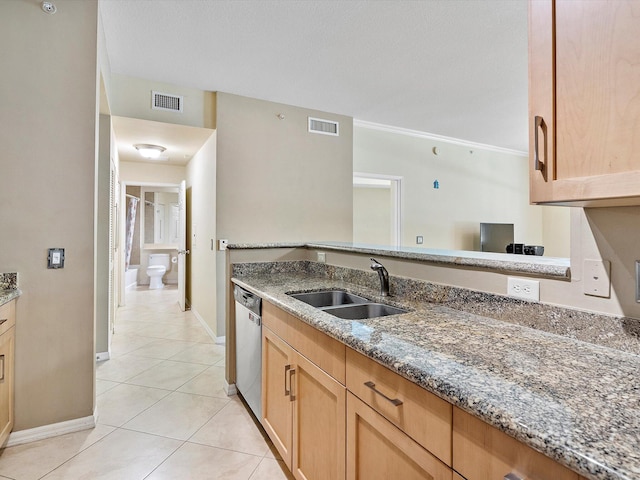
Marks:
<point>576,402</point>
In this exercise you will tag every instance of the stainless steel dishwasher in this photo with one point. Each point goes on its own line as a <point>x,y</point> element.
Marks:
<point>249,348</point>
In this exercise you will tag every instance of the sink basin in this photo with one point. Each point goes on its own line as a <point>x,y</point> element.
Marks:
<point>364,310</point>
<point>328,298</point>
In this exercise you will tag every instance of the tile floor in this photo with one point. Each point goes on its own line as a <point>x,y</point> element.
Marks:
<point>162,410</point>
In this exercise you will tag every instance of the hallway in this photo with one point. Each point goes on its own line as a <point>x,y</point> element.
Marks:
<point>162,411</point>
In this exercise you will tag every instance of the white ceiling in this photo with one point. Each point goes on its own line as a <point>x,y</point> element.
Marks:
<point>456,68</point>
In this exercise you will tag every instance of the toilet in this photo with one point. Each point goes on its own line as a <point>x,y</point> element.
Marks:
<point>158,266</point>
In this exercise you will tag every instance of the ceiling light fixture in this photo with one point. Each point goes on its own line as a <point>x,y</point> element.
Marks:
<point>149,151</point>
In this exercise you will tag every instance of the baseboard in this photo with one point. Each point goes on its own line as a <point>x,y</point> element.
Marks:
<point>53,430</point>
<point>102,356</point>
<point>210,332</point>
<point>230,388</point>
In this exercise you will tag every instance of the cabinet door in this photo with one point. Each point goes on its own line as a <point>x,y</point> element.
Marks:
<point>377,450</point>
<point>585,101</point>
<point>276,396</point>
<point>482,452</point>
<point>318,423</point>
<point>7,347</point>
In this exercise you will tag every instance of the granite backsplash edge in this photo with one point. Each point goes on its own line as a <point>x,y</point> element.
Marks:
<point>620,333</point>
<point>8,281</point>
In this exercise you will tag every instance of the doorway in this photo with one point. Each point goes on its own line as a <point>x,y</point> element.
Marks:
<point>152,225</point>
<point>377,209</point>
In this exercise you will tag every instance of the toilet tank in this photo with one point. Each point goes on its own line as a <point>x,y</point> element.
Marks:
<point>159,259</point>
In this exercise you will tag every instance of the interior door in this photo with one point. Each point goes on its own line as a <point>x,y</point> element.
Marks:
<point>182,244</point>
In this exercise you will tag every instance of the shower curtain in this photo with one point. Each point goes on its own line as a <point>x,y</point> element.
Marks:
<point>132,205</point>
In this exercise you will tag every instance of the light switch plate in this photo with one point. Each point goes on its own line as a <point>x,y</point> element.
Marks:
<point>55,258</point>
<point>597,280</point>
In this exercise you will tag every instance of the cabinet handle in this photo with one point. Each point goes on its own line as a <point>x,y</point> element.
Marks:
<point>395,401</point>
<point>287,391</point>
<point>292,397</point>
<point>512,476</point>
<point>538,165</point>
<point>2,360</point>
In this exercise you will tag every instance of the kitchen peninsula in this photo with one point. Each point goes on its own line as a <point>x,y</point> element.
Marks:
<point>575,401</point>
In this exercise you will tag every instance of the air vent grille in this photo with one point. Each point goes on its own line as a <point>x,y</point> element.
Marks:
<point>324,127</point>
<point>164,101</point>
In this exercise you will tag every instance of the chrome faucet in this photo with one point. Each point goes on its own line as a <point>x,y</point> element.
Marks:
<point>376,266</point>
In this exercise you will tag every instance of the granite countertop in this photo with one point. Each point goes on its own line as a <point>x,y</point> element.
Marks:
<point>8,287</point>
<point>548,267</point>
<point>576,402</point>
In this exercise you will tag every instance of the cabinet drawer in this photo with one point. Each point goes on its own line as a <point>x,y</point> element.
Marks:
<point>324,351</point>
<point>377,450</point>
<point>482,452</point>
<point>421,415</point>
<point>7,316</point>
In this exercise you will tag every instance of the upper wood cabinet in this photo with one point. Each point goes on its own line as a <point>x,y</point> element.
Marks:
<point>584,101</point>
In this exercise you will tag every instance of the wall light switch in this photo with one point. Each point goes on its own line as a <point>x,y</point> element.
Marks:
<point>597,280</point>
<point>419,239</point>
<point>55,258</point>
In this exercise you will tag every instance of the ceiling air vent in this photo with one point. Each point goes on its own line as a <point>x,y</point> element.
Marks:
<point>164,101</point>
<point>325,127</point>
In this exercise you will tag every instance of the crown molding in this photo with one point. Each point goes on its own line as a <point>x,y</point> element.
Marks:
<point>433,136</point>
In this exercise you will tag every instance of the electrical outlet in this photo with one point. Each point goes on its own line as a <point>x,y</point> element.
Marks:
<point>222,244</point>
<point>322,257</point>
<point>523,288</point>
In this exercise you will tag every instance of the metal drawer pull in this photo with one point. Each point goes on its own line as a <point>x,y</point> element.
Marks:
<point>292,397</point>
<point>3,320</point>
<point>2,360</point>
<point>538,165</point>
<point>512,476</point>
<point>395,401</point>
<point>287,391</point>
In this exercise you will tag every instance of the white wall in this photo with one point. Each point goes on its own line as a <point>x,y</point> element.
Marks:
<point>475,185</point>
<point>131,97</point>
<point>372,215</point>
<point>201,213</point>
<point>49,96</point>
<point>275,181</point>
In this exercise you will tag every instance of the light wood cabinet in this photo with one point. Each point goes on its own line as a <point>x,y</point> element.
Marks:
<point>7,353</point>
<point>377,450</point>
<point>420,414</point>
<point>303,407</point>
<point>482,452</point>
<point>584,101</point>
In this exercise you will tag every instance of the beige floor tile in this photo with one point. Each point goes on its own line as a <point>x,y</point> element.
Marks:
<point>162,349</point>
<point>199,462</point>
<point>121,455</point>
<point>271,469</point>
<point>167,375</point>
<point>205,353</point>
<point>178,416</point>
<point>233,428</point>
<point>124,343</point>
<point>33,460</point>
<point>158,330</point>
<point>209,383</point>
<point>122,403</point>
<point>122,368</point>
<point>190,334</point>
<point>103,386</point>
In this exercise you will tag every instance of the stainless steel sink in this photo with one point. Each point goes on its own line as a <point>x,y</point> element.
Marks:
<point>328,298</point>
<point>364,310</point>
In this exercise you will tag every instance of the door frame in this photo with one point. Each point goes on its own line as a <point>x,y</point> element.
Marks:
<point>122,227</point>
<point>396,199</point>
